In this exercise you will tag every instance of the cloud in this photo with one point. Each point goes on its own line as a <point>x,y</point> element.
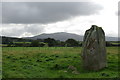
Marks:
<point>10,31</point>
<point>34,29</point>
<point>45,12</point>
<point>22,30</point>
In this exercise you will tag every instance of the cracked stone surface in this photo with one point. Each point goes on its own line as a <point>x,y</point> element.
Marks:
<point>94,49</point>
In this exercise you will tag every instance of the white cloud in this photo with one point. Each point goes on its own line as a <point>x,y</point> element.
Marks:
<point>21,30</point>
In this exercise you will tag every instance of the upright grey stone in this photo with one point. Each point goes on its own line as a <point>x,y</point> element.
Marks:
<point>94,49</point>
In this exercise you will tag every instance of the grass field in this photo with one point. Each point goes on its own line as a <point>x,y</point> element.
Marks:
<point>53,62</point>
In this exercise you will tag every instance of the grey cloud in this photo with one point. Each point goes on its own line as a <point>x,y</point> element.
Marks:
<point>45,12</point>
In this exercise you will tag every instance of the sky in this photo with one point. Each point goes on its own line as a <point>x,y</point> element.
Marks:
<point>27,19</point>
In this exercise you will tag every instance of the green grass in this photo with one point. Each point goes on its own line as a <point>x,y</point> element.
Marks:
<point>22,42</point>
<point>53,62</point>
<point>0,62</point>
<point>3,45</point>
<point>115,43</point>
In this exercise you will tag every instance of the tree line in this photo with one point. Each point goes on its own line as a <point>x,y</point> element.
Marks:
<point>48,42</point>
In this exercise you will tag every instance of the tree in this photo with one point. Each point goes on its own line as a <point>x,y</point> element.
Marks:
<point>108,43</point>
<point>35,43</point>
<point>51,42</point>
<point>80,43</point>
<point>10,44</point>
<point>72,43</point>
<point>62,44</point>
<point>42,44</point>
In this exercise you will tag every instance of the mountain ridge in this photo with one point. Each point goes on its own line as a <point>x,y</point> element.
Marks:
<point>63,36</point>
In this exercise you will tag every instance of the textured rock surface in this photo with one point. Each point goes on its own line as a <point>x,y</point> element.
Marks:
<point>94,49</point>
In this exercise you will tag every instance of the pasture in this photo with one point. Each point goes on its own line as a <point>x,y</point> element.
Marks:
<point>53,62</point>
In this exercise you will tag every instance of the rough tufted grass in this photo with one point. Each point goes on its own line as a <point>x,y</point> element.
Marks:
<point>53,62</point>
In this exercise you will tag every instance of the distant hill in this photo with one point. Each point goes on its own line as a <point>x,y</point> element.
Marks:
<point>112,39</point>
<point>62,36</point>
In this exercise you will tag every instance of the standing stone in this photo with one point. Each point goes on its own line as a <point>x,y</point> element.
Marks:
<point>94,49</point>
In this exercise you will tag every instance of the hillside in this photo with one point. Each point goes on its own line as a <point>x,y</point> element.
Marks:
<point>62,36</point>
